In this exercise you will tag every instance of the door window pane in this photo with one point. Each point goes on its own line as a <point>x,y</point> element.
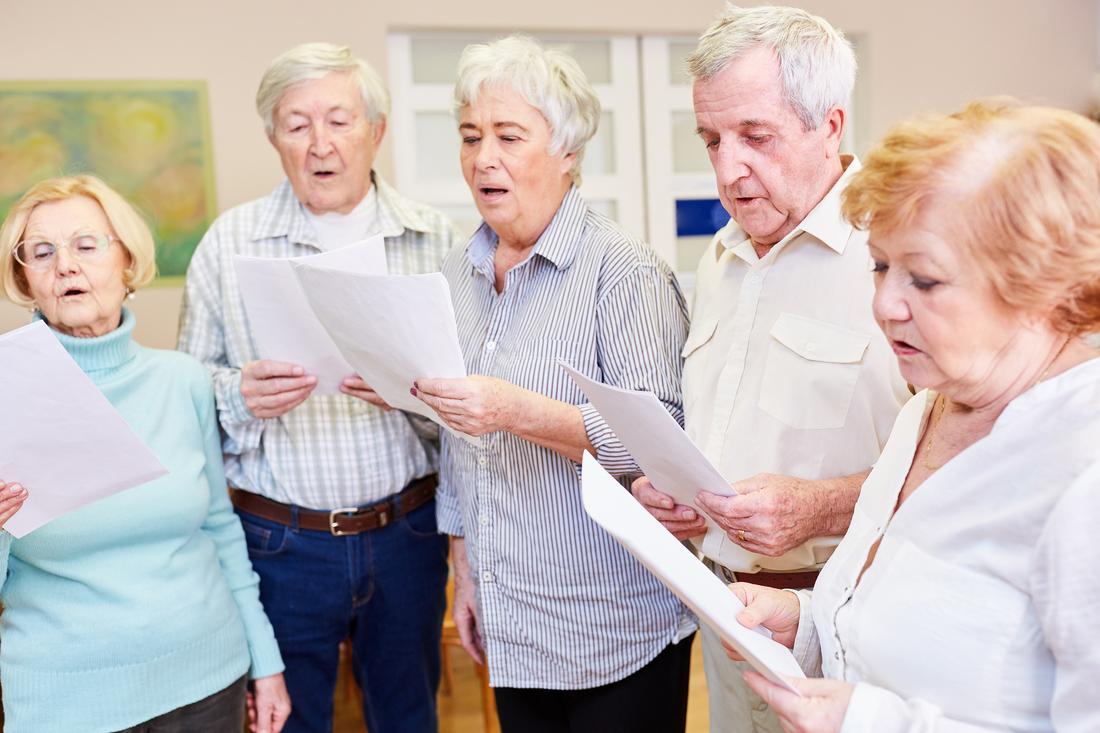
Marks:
<point>437,145</point>
<point>599,153</point>
<point>689,155</point>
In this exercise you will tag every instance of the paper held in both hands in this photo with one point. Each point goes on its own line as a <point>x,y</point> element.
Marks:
<point>338,313</point>
<point>669,459</point>
<point>614,509</point>
<point>60,438</point>
<point>392,329</point>
<point>281,321</point>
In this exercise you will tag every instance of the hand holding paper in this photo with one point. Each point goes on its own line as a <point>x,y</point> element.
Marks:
<point>673,463</point>
<point>614,509</point>
<point>281,321</point>
<point>392,329</point>
<point>61,438</point>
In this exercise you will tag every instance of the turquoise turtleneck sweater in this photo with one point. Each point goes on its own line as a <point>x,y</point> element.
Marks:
<point>145,601</point>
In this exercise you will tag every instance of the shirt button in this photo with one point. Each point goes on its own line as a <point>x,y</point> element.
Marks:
<point>811,346</point>
<point>481,461</point>
<point>485,520</point>
<point>754,279</point>
<point>487,577</point>
<point>490,345</point>
<point>837,654</point>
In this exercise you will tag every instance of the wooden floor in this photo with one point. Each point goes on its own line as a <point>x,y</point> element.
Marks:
<point>461,712</point>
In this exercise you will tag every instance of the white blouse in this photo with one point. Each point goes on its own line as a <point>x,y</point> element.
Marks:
<point>981,611</point>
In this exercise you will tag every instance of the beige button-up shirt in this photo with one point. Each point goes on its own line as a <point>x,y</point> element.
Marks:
<point>786,371</point>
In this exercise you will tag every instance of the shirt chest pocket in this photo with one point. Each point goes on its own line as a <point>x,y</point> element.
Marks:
<point>811,372</point>
<point>694,356</point>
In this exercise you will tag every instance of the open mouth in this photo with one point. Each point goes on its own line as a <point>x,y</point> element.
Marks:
<point>903,347</point>
<point>493,191</point>
<point>73,292</point>
<point>323,174</point>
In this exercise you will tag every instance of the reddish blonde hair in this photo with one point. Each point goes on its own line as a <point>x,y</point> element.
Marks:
<point>1022,187</point>
<point>129,227</point>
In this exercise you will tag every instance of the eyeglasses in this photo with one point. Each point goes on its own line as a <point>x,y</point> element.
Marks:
<point>39,254</point>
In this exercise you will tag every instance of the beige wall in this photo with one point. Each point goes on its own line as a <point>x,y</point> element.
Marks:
<point>934,54</point>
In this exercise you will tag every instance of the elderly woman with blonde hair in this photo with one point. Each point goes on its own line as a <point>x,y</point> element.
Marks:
<point>965,596</point>
<point>139,612</point>
<point>578,635</point>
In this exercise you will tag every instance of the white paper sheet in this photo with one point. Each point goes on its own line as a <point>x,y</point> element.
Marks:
<point>614,509</point>
<point>60,437</point>
<point>392,329</point>
<point>670,460</point>
<point>280,319</point>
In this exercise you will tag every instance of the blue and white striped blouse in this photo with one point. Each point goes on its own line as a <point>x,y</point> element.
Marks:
<point>561,605</point>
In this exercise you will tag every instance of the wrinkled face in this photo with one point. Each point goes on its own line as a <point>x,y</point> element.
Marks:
<point>771,173</point>
<point>517,185</point>
<point>949,329</point>
<point>77,298</point>
<point>326,143</point>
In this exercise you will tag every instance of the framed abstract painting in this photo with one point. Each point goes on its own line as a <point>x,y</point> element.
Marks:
<point>149,140</point>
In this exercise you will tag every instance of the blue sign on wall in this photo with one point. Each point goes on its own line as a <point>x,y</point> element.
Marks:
<point>699,217</point>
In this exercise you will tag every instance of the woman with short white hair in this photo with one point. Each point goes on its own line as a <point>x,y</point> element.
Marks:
<point>577,634</point>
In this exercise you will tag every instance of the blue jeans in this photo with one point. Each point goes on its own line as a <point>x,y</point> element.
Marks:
<point>384,588</point>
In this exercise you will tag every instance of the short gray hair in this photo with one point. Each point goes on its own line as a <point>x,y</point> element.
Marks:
<point>311,61</point>
<point>548,80</point>
<point>817,66</point>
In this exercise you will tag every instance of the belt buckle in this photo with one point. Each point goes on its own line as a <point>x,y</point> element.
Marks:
<point>332,520</point>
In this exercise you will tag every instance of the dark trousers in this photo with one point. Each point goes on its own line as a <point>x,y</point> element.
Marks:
<point>222,712</point>
<point>653,699</point>
<point>384,588</point>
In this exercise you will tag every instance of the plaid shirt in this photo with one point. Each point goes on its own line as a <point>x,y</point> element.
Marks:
<point>331,451</point>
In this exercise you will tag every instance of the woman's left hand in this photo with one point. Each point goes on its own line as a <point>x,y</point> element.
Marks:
<point>474,405</point>
<point>268,704</point>
<point>821,708</point>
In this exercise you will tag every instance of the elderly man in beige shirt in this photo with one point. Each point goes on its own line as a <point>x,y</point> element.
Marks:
<point>789,386</point>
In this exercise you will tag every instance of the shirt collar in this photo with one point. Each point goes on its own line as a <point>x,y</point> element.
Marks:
<point>824,222</point>
<point>282,215</point>
<point>558,243</point>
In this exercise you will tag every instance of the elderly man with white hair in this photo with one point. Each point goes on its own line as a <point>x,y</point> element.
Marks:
<point>578,635</point>
<point>789,386</point>
<point>336,495</point>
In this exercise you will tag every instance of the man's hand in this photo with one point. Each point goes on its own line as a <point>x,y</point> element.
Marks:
<point>274,388</point>
<point>776,610</point>
<point>682,521</point>
<point>356,387</point>
<point>268,704</point>
<point>464,608</point>
<point>474,405</point>
<point>775,514</point>
<point>821,708</point>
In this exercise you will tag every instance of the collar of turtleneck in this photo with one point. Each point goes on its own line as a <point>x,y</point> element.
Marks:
<point>102,354</point>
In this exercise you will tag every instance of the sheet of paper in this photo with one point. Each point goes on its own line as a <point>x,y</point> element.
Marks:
<point>281,321</point>
<point>614,509</point>
<point>60,437</point>
<point>671,461</point>
<point>392,329</point>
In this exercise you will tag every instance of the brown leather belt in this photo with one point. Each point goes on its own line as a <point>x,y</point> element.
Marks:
<point>782,581</point>
<point>350,520</point>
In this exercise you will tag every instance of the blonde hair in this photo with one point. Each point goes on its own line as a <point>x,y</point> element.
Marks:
<point>817,66</point>
<point>1023,186</point>
<point>311,61</point>
<point>132,231</point>
<point>550,81</point>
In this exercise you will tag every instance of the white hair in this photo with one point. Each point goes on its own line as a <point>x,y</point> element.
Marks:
<point>311,61</point>
<point>817,66</point>
<point>548,80</point>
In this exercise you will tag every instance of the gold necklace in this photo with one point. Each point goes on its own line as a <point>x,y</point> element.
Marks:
<point>932,432</point>
<point>943,406</point>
